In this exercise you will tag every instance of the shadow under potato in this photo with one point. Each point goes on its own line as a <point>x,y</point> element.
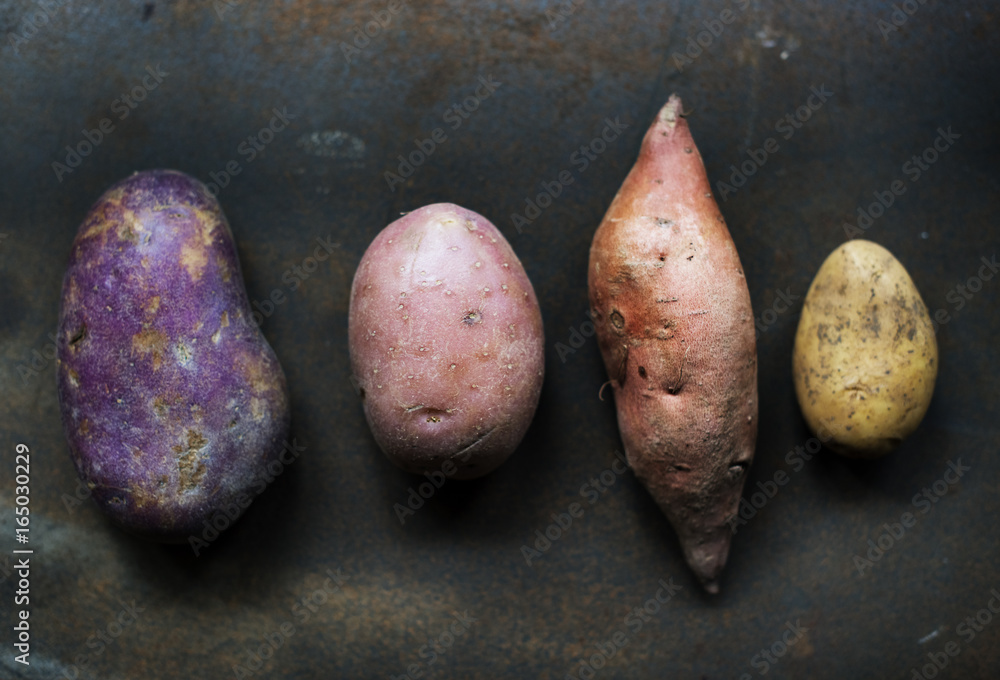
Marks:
<point>261,530</point>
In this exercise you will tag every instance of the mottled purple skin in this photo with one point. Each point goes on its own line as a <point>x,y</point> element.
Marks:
<point>447,344</point>
<point>172,400</point>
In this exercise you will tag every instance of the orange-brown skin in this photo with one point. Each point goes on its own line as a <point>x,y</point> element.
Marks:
<point>675,327</point>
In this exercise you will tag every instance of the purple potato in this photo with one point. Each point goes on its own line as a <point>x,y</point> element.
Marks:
<point>172,400</point>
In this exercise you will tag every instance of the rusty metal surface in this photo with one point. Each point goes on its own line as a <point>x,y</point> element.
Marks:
<point>224,68</point>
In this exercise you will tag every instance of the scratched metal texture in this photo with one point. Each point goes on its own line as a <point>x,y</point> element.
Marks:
<point>562,76</point>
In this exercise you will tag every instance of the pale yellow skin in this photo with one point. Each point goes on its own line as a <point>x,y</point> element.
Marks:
<point>865,357</point>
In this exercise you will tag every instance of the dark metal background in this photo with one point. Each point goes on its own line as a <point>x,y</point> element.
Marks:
<point>333,509</point>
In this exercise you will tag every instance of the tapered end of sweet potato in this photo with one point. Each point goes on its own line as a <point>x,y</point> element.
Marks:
<point>671,111</point>
<point>707,560</point>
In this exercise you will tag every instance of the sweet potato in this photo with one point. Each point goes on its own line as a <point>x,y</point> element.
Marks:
<point>447,344</point>
<point>172,401</point>
<point>675,327</point>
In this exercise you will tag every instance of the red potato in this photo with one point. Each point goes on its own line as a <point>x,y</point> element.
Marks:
<point>674,323</point>
<point>447,344</point>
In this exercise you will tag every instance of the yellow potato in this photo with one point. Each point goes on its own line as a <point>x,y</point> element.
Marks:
<point>865,357</point>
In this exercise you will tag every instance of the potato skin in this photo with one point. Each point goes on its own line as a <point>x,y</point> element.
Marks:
<point>672,311</point>
<point>446,340</point>
<point>865,357</point>
<point>172,400</point>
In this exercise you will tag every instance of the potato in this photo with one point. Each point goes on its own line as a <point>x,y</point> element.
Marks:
<point>673,318</point>
<point>446,342</point>
<point>865,357</point>
<point>171,398</point>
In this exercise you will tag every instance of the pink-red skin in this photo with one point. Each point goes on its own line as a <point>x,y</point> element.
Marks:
<point>447,344</point>
<point>675,327</point>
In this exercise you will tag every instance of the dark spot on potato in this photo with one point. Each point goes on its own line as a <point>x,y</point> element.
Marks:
<point>642,371</point>
<point>361,393</point>
<point>872,323</point>
<point>79,335</point>
<point>471,318</point>
<point>433,419</point>
<point>681,467</point>
<point>617,320</point>
<point>147,11</point>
